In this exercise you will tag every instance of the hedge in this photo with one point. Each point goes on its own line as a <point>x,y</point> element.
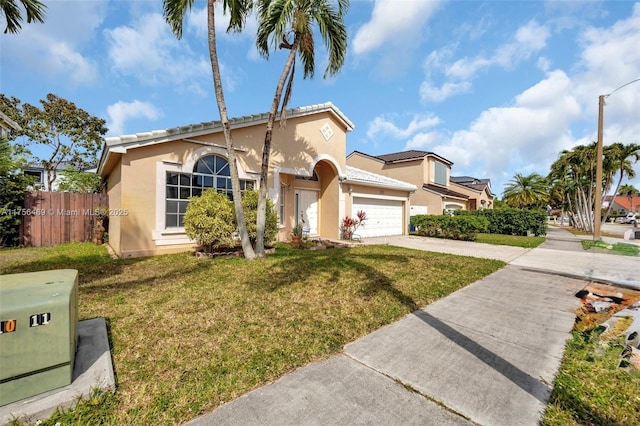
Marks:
<point>459,227</point>
<point>513,221</point>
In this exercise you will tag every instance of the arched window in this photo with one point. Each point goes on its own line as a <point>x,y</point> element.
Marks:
<point>211,171</point>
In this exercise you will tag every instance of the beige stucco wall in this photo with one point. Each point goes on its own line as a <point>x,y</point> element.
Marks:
<point>136,182</point>
<point>416,172</point>
<point>479,196</point>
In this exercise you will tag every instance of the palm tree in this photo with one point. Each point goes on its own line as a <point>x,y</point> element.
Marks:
<point>174,11</point>
<point>13,15</point>
<point>289,25</point>
<point>622,157</point>
<point>630,191</point>
<point>526,191</point>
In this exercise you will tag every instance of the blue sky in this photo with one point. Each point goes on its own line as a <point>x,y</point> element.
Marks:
<point>497,87</point>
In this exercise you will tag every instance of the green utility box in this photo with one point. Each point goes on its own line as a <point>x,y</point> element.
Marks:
<point>38,332</point>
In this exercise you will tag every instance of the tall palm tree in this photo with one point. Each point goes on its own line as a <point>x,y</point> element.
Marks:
<point>622,157</point>
<point>289,24</point>
<point>13,15</point>
<point>174,11</point>
<point>526,191</point>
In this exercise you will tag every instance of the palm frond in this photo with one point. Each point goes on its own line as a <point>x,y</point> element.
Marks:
<point>173,12</point>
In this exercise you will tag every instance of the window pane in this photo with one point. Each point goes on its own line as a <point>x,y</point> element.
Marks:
<point>185,193</point>
<point>172,192</point>
<point>181,220</point>
<point>184,179</point>
<point>221,183</point>
<point>222,166</point>
<point>172,207</point>
<point>172,178</point>
<point>172,220</point>
<point>440,174</point>
<point>196,192</point>
<point>196,180</point>
<point>182,206</point>
<point>208,182</point>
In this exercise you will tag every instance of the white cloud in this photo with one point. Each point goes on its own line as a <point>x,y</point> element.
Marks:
<point>398,27</point>
<point>61,47</point>
<point>149,51</point>
<point>393,24</point>
<point>120,112</point>
<point>381,127</point>
<point>528,40</point>
<point>431,93</point>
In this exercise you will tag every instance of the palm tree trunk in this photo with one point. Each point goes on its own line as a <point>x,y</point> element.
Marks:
<point>266,151</point>
<point>606,214</point>
<point>226,128</point>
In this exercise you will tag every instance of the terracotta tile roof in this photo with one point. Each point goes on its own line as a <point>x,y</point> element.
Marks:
<point>444,191</point>
<point>623,201</point>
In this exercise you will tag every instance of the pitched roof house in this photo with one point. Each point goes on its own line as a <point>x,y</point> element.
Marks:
<point>430,173</point>
<point>150,177</point>
<point>478,190</point>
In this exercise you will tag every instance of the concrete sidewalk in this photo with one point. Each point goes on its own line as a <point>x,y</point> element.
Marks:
<point>486,354</point>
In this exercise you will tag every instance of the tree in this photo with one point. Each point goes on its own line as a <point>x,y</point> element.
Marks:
<point>174,11</point>
<point>620,159</point>
<point>13,15</point>
<point>13,184</point>
<point>73,180</point>
<point>629,191</point>
<point>68,134</point>
<point>289,25</point>
<point>526,191</point>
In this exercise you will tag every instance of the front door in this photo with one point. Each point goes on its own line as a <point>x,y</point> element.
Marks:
<point>307,211</point>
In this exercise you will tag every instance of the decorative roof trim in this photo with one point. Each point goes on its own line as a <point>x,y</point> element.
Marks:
<point>443,192</point>
<point>363,177</point>
<point>120,144</point>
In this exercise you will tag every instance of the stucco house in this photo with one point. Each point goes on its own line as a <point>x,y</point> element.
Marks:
<point>151,175</point>
<point>478,190</point>
<point>426,170</point>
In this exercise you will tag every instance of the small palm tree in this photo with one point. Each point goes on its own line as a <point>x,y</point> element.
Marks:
<point>13,15</point>
<point>629,191</point>
<point>289,25</point>
<point>526,191</point>
<point>174,11</point>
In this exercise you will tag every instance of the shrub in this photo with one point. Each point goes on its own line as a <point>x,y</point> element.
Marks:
<point>349,225</point>
<point>457,227</point>
<point>13,185</point>
<point>210,220</point>
<point>513,221</point>
<point>250,206</point>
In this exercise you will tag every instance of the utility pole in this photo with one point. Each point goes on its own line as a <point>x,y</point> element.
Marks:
<point>597,207</point>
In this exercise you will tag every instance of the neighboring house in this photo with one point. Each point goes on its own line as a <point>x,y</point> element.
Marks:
<point>427,171</point>
<point>623,205</point>
<point>151,175</point>
<point>478,190</point>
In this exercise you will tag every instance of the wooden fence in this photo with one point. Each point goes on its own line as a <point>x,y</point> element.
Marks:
<point>51,218</point>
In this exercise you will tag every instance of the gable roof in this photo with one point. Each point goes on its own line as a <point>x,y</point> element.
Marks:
<point>120,144</point>
<point>472,183</point>
<point>363,177</point>
<point>623,201</point>
<point>444,191</point>
<point>397,157</point>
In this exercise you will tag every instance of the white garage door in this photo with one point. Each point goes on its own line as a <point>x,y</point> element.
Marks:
<point>384,217</point>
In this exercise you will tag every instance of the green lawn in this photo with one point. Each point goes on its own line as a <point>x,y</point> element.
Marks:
<point>510,240</point>
<point>189,334</point>
<point>591,388</point>
<point>617,248</point>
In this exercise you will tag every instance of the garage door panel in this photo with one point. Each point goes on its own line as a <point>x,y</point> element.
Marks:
<point>384,217</point>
